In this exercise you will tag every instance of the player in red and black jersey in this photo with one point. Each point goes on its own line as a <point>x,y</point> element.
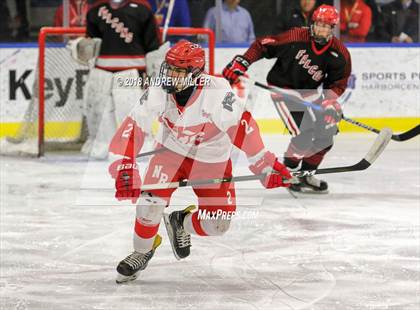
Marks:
<point>307,58</point>
<point>128,31</point>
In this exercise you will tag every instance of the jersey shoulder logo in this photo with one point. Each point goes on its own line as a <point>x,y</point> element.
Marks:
<point>228,101</point>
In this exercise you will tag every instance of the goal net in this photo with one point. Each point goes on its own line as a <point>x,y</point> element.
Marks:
<point>53,119</point>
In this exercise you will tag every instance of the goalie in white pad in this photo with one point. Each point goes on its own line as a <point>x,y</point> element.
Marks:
<point>108,101</point>
<point>201,119</point>
<point>128,32</point>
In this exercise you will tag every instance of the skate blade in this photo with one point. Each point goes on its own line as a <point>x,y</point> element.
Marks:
<point>307,191</point>
<point>124,279</point>
<point>170,234</point>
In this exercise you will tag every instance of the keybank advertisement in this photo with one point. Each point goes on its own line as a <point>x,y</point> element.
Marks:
<point>385,82</point>
<point>64,84</point>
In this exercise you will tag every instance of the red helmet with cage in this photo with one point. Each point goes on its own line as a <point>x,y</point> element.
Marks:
<point>326,15</point>
<point>186,57</point>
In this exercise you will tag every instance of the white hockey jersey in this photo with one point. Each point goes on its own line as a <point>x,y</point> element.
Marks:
<point>200,129</point>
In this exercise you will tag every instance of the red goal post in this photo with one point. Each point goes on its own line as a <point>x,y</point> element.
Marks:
<point>45,32</point>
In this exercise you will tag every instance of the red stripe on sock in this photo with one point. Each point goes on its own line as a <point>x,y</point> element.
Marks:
<point>145,232</point>
<point>197,225</point>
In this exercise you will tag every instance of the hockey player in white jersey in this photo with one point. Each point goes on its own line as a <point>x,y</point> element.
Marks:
<point>200,122</point>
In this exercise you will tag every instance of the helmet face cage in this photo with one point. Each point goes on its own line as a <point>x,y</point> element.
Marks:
<point>328,16</point>
<point>321,39</point>
<point>175,79</point>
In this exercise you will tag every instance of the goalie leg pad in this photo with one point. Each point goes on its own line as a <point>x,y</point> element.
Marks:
<point>99,111</point>
<point>98,90</point>
<point>126,93</point>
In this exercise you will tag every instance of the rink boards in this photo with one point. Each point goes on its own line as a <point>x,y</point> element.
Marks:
<point>384,88</point>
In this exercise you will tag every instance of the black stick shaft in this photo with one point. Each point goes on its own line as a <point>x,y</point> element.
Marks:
<point>396,137</point>
<point>354,122</point>
<point>151,152</point>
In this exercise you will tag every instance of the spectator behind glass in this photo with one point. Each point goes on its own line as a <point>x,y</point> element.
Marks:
<point>356,19</point>
<point>77,14</point>
<point>297,17</point>
<point>4,22</point>
<point>400,22</point>
<point>180,14</point>
<point>236,23</point>
<point>20,22</point>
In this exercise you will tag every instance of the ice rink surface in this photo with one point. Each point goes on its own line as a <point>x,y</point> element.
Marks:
<point>355,248</point>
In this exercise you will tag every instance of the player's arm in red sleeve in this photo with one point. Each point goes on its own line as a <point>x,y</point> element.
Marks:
<point>336,83</point>
<point>270,46</point>
<point>127,142</point>
<point>265,47</point>
<point>228,113</point>
<point>339,72</point>
<point>232,118</point>
<point>246,136</point>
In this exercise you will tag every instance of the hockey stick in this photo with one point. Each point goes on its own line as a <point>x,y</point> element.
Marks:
<point>159,150</point>
<point>168,19</point>
<point>375,150</point>
<point>290,97</point>
<point>294,99</point>
<point>396,137</point>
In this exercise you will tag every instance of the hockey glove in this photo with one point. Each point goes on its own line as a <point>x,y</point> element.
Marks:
<point>276,172</point>
<point>235,69</point>
<point>332,111</point>
<point>127,179</point>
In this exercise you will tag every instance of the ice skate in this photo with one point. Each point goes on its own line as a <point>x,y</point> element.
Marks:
<point>129,268</point>
<point>309,184</point>
<point>180,239</point>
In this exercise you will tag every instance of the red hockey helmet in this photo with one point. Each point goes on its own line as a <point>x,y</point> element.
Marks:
<point>186,55</point>
<point>185,60</point>
<point>326,15</point>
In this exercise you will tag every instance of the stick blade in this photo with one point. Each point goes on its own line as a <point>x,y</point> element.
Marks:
<point>407,135</point>
<point>379,145</point>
